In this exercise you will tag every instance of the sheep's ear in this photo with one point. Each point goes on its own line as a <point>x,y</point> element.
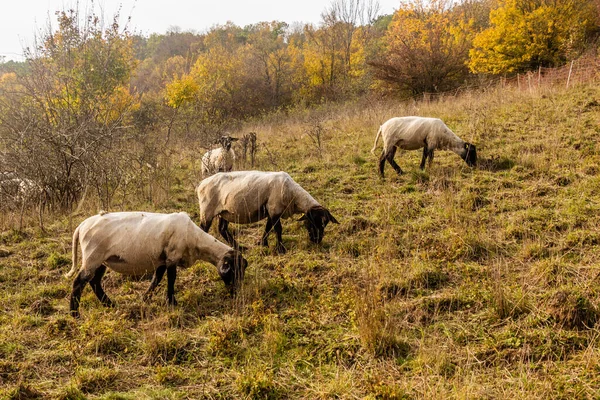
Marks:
<point>234,139</point>
<point>303,218</point>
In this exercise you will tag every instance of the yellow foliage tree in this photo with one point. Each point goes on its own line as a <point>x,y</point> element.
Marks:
<point>526,34</point>
<point>181,90</point>
<point>219,74</point>
<point>427,47</point>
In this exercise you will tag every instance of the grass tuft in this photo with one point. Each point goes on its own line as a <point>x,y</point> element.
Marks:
<point>24,392</point>
<point>572,308</point>
<point>57,261</point>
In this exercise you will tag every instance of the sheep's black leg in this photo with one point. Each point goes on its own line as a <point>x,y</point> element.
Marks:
<point>228,236</point>
<point>96,284</point>
<point>278,230</point>
<point>171,275</point>
<point>264,241</point>
<point>381,163</point>
<point>390,158</point>
<point>425,154</point>
<point>430,157</point>
<point>156,278</point>
<point>223,225</point>
<point>206,226</point>
<point>78,285</point>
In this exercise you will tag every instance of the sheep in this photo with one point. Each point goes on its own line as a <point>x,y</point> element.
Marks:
<point>18,189</point>
<point>22,193</point>
<point>136,243</point>
<point>220,159</point>
<point>412,133</point>
<point>249,196</point>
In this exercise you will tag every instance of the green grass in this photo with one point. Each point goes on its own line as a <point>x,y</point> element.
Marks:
<point>448,283</point>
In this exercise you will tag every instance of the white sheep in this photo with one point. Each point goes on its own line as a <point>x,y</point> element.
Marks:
<point>22,193</point>
<point>220,159</point>
<point>245,197</point>
<point>18,189</point>
<point>412,133</point>
<point>135,243</point>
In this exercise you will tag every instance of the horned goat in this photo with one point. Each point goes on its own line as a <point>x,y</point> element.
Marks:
<point>245,197</point>
<point>413,133</point>
<point>136,243</point>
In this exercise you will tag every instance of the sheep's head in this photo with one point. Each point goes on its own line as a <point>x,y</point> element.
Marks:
<point>231,269</point>
<point>226,141</point>
<point>315,221</point>
<point>470,154</point>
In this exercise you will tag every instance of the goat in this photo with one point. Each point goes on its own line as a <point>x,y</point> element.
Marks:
<point>220,159</point>
<point>135,243</point>
<point>249,196</point>
<point>412,133</point>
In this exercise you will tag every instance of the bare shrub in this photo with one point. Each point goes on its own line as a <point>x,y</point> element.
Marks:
<point>316,131</point>
<point>61,120</point>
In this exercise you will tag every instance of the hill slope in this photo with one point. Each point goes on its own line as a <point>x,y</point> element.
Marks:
<point>448,283</point>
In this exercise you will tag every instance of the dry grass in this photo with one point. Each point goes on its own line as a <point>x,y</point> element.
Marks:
<point>449,283</point>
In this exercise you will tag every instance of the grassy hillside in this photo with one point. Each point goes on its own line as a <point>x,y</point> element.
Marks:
<point>449,283</point>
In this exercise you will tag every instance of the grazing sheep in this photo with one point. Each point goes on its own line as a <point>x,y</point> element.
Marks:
<point>245,197</point>
<point>412,133</point>
<point>220,159</point>
<point>135,243</point>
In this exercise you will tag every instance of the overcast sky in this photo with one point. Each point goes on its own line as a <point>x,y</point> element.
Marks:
<point>20,19</point>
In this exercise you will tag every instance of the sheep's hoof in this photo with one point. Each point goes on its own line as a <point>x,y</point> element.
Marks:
<point>172,302</point>
<point>280,249</point>
<point>106,302</point>
<point>75,314</point>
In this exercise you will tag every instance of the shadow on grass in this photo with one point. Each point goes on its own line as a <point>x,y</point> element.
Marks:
<point>495,164</point>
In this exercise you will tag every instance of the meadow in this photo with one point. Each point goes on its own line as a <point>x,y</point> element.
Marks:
<point>448,283</point>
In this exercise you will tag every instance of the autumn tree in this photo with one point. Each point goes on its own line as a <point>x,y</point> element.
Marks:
<point>528,34</point>
<point>427,45</point>
<point>61,119</point>
<point>242,72</point>
<point>351,19</point>
<point>273,60</point>
<point>334,51</point>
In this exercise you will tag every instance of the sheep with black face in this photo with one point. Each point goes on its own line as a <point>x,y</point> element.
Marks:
<point>245,197</point>
<point>413,133</point>
<point>220,159</point>
<point>136,243</point>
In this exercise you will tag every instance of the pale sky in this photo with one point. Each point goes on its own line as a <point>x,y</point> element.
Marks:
<point>20,19</point>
